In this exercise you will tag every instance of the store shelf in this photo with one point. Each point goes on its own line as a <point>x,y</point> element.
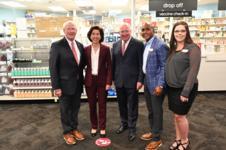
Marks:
<point>9,97</point>
<point>28,77</point>
<point>213,31</point>
<point>32,88</point>
<point>213,37</point>
<point>5,71</point>
<point>207,24</point>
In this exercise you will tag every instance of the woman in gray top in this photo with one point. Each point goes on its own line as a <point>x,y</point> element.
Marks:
<point>181,77</point>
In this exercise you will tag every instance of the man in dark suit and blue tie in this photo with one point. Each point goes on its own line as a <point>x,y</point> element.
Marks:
<point>128,78</point>
<point>66,69</point>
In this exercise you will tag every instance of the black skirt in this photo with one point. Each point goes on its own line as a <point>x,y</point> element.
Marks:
<point>174,102</point>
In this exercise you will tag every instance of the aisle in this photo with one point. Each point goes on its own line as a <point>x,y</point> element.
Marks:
<point>36,126</point>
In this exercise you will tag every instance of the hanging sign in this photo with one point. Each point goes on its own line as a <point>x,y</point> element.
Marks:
<point>221,4</point>
<point>172,5</point>
<point>173,13</point>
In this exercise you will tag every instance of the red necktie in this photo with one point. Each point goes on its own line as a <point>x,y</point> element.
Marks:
<point>74,52</point>
<point>123,47</point>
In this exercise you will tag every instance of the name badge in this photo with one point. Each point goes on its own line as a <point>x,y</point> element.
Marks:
<point>184,50</point>
<point>150,49</point>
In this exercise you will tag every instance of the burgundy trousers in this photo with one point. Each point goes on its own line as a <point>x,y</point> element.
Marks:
<point>97,94</point>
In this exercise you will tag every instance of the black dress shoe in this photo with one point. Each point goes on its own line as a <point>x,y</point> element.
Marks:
<point>93,133</point>
<point>121,129</point>
<point>102,134</point>
<point>131,136</point>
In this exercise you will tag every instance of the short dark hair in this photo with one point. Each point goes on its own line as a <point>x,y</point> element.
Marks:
<point>96,28</point>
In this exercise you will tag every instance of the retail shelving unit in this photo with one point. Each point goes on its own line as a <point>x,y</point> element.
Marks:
<point>210,34</point>
<point>5,66</point>
<point>30,75</point>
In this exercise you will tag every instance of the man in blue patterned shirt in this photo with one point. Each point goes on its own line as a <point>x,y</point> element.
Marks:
<point>154,59</point>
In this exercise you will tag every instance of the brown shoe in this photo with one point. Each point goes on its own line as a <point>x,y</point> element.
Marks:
<point>146,136</point>
<point>69,139</point>
<point>78,135</point>
<point>153,145</point>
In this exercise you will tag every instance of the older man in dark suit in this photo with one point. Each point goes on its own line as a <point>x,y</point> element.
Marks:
<point>66,65</point>
<point>128,77</point>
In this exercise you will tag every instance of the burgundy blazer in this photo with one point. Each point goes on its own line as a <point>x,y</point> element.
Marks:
<point>104,66</point>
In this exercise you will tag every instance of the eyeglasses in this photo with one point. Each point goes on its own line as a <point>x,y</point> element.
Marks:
<point>177,31</point>
<point>145,29</point>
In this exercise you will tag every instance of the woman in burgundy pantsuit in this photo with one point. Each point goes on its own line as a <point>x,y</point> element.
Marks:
<point>98,78</point>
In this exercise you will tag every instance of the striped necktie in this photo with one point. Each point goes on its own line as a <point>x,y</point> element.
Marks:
<point>74,52</point>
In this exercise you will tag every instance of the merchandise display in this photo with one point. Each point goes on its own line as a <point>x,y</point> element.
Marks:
<point>5,66</point>
<point>38,71</point>
<point>32,94</point>
<point>210,33</point>
<point>31,76</point>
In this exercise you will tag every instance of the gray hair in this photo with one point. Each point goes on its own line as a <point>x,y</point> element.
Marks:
<point>67,23</point>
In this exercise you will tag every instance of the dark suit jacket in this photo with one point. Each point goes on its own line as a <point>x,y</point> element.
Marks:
<point>65,73</point>
<point>104,66</point>
<point>127,69</point>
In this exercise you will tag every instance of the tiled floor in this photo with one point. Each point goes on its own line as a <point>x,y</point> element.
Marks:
<point>36,125</point>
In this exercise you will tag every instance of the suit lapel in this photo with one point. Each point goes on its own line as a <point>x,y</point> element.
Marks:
<point>67,46</point>
<point>100,56</point>
<point>89,55</point>
<point>80,48</point>
<point>68,49</point>
<point>129,46</point>
<point>153,44</point>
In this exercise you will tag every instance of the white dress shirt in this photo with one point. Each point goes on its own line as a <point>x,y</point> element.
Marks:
<point>146,52</point>
<point>95,60</point>
<point>126,44</point>
<point>76,48</point>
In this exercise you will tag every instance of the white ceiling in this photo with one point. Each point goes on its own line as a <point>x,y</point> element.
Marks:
<point>99,5</point>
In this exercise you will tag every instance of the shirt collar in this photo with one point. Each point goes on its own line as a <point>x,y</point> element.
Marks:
<point>69,41</point>
<point>149,42</point>
<point>127,40</point>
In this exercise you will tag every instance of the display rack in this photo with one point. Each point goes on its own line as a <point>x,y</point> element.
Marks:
<point>31,79</point>
<point>30,75</point>
<point>210,34</point>
<point>5,66</point>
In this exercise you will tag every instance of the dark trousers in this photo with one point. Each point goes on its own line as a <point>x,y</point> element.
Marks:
<point>155,112</point>
<point>128,106</point>
<point>97,93</point>
<point>69,108</point>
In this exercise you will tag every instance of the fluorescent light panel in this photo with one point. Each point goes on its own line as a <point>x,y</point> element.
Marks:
<point>115,12</point>
<point>12,4</point>
<point>57,8</point>
<point>90,12</point>
<point>83,3</point>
